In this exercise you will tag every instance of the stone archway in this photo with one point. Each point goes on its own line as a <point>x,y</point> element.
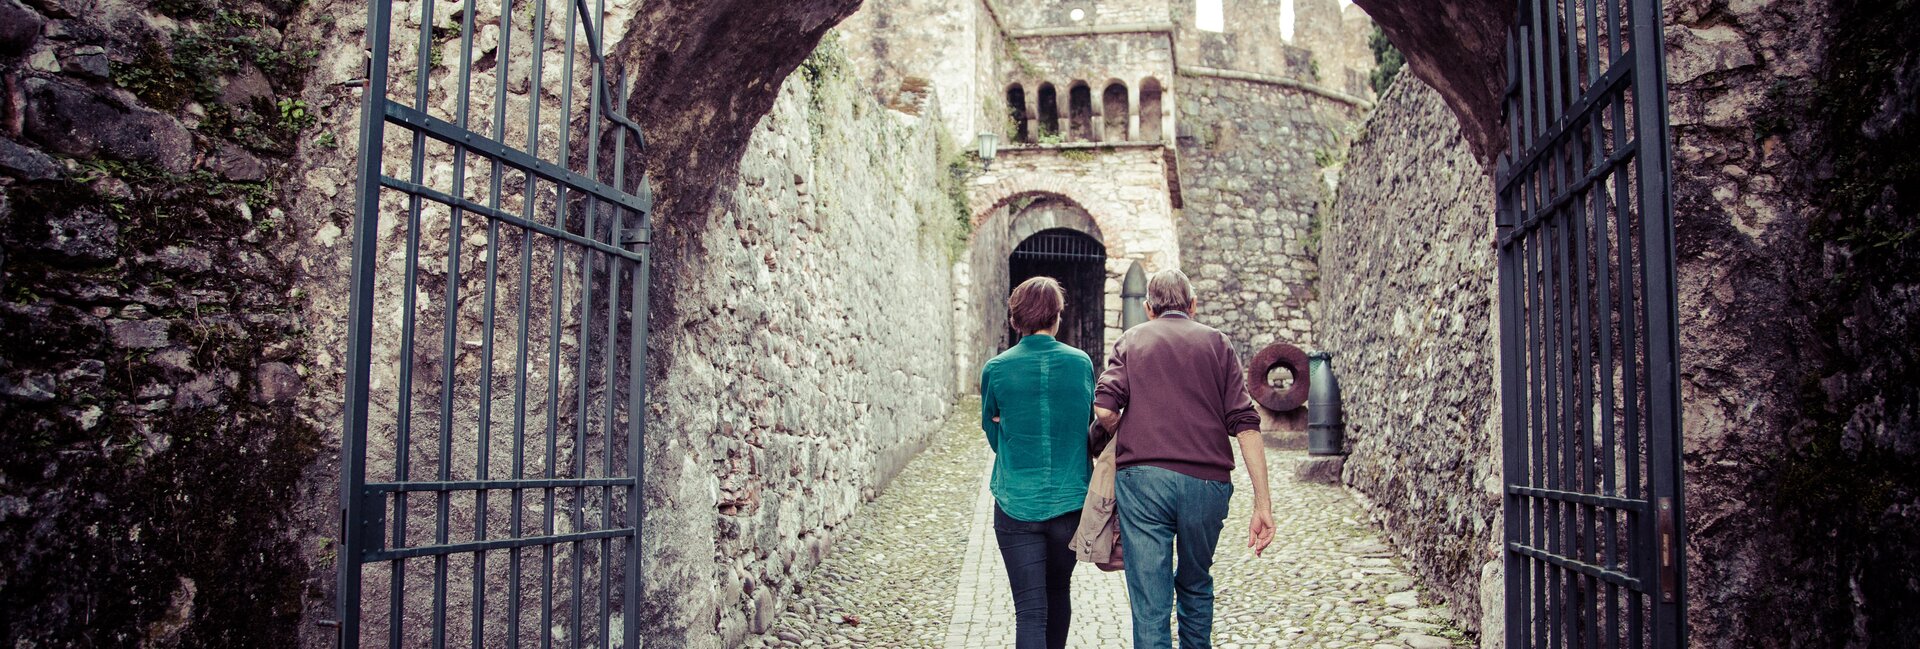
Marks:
<point>1124,203</point>
<point>1056,238</point>
<point>982,277</point>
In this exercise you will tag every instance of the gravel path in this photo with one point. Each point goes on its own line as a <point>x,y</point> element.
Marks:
<point>920,569</point>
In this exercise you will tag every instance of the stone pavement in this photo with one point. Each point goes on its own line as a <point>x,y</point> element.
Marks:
<point>983,606</point>
<point>918,567</point>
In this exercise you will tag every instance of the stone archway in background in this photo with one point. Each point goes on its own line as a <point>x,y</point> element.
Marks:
<point>1057,238</point>
<point>698,60</point>
<point>1011,211</point>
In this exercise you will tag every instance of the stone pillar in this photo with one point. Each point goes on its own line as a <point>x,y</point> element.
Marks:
<point>1167,108</point>
<point>1133,112</point>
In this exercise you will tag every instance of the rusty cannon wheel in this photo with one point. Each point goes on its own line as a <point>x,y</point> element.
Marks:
<point>1263,393</point>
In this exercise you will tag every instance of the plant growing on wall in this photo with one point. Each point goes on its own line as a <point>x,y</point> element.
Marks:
<point>1387,61</point>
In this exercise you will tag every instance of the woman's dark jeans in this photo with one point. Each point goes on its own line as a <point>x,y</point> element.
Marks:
<point>1040,567</point>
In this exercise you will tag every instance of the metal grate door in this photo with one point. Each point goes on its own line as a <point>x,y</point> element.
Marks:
<point>1589,393</point>
<point>491,456</point>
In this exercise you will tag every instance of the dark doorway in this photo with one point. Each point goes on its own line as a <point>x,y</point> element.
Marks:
<point>1049,111</point>
<point>1017,114</point>
<point>1080,112</point>
<point>1079,263</point>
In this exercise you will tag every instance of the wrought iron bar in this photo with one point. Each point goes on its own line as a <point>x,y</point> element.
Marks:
<point>1589,379</point>
<point>369,534</point>
<point>1576,566</point>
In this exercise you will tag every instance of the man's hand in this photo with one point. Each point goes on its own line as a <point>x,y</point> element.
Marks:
<point>1254,452</point>
<point>1260,533</point>
<point>1107,418</point>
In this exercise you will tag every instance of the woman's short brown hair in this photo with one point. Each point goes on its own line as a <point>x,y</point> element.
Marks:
<point>1035,304</point>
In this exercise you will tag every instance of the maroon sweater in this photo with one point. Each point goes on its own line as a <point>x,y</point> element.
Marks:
<point>1182,397</point>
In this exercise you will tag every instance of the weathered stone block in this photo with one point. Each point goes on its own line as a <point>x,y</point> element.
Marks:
<point>19,27</point>
<point>81,122</point>
<point>1321,470</point>
<point>275,383</point>
<point>26,163</point>
<point>138,334</point>
<point>83,235</point>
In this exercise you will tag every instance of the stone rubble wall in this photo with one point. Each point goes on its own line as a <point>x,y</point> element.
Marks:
<point>151,488</point>
<point>1406,290</point>
<point>810,358</point>
<point>1252,177</point>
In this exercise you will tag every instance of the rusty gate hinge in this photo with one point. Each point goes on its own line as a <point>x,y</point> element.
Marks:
<point>1669,573</point>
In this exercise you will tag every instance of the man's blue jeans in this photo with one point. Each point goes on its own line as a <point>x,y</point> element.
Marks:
<point>1163,513</point>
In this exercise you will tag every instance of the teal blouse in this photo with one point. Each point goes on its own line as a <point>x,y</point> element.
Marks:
<point>1042,391</point>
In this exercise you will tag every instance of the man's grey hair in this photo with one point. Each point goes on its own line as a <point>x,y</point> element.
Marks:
<point>1168,290</point>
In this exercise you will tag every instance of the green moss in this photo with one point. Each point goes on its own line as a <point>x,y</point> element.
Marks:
<point>1020,61</point>
<point>167,208</point>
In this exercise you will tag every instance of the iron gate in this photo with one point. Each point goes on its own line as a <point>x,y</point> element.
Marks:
<point>493,493</point>
<point>1590,401</point>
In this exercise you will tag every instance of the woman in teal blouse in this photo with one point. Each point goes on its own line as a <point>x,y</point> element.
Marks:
<point>1036,401</point>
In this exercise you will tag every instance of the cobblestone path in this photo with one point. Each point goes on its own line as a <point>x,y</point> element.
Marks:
<point>919,568</point>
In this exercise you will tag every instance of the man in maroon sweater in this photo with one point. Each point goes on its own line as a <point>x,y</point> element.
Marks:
<point>1174,394</point>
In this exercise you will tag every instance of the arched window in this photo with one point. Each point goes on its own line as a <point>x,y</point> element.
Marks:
<point>1150,110</point>
<point>1080,107</point>
<point>1017,114</point>
<point>1113,106</point>
<point>1049,111</point>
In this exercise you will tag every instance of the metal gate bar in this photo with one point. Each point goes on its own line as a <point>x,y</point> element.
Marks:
<point>609,252</point>
<point>1588,354</point>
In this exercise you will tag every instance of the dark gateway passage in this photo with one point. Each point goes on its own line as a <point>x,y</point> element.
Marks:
<point>1079,262</point>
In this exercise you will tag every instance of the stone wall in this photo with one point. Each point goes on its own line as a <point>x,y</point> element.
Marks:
<point>1252,176</point>
<point>1406,287</point>
<point>1026,14</point>
<point>1794,125</point>
<point>807,358</point>
<point>153,355</point>
<point>902,50</point>
<point>1328,45</point>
